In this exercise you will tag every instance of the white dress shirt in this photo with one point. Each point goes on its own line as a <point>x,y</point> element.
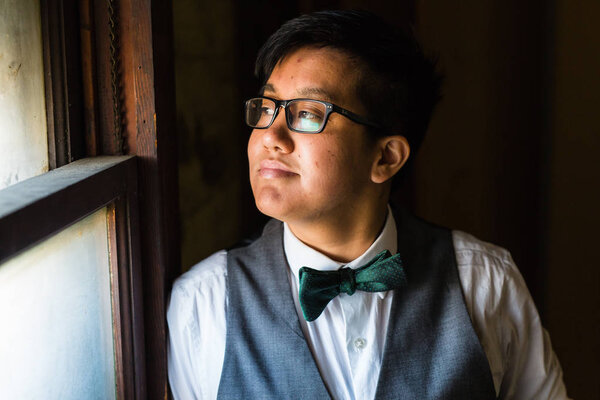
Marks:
<point>347,340</point>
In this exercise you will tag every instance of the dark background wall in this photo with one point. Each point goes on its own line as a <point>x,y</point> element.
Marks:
<point>511,155</point>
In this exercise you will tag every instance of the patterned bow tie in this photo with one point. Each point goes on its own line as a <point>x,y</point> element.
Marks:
<point>318,288</point>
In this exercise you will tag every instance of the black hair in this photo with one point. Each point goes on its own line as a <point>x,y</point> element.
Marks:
<point>398,85</point>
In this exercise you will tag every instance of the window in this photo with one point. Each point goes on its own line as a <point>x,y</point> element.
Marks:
<point>73,278</point>
<point>56,310</point>
<point>65,235</point>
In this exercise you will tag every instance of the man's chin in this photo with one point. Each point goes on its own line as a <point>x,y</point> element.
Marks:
<point>271,202</point>
<point>271,210</point>
<point>268,206</point>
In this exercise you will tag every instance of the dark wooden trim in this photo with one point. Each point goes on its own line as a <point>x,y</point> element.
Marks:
<point>103,64</point>
<point>117,301</point>
<point>146,48</point>
<point>127,297</point>
<point>93,143</point>
<point>128,235</point>
<point>62,76</point>
<point>36,208</point>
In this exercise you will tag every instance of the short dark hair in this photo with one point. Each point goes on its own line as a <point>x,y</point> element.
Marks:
<point>398,85</point>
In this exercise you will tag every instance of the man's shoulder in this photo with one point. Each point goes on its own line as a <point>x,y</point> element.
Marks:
<point>271,227</point>
<point>204,274</point>
<point>470,249</point>
<point>212,271</point>
<point>484,265</point>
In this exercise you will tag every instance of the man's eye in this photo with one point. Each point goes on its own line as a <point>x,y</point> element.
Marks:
<point>308,121</point>
<point>304,114</point>
<point>266,111</point>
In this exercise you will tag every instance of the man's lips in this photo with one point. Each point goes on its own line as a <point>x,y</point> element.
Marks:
<point>274,169</point>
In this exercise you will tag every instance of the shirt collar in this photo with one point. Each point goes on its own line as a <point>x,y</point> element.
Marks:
<point>299,254</point>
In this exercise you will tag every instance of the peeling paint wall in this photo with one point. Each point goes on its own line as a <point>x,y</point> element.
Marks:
<point>23,143</point>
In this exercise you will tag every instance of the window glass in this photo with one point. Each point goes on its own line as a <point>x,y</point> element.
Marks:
<point>56,338</point>
<point>23,138</point>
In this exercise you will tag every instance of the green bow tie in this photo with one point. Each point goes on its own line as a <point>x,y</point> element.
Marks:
<point>318,288</point>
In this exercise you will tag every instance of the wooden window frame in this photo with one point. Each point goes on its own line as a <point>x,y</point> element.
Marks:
<point>83,112</point>
<point>63,196</point>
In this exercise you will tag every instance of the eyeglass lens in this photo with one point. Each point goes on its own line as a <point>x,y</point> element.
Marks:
<point>301,115</point>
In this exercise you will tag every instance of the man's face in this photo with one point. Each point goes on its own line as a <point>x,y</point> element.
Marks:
<point>311,178</point>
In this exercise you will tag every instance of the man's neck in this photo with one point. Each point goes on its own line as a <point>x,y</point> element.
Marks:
<point>342,239</point>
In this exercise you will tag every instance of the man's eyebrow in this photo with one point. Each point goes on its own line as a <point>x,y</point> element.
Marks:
<point>311,92</point>
<point>319,93</point>
<point>266,87</point>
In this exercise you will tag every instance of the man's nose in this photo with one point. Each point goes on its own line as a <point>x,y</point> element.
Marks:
<point>278,137</point>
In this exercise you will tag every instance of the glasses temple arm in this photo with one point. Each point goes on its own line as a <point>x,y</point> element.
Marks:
<point>355,117</point>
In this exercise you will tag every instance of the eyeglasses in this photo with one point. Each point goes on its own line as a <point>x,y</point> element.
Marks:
<point>301,115</point>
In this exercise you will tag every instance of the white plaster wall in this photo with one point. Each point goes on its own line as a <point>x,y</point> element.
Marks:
<point>23,138</point>
<point>56,337</point>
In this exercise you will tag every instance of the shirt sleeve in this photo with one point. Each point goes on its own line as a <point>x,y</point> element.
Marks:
<point>196,319</point>
<point>518,348</point>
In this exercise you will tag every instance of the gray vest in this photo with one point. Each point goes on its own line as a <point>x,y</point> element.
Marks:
<point>431,349</point>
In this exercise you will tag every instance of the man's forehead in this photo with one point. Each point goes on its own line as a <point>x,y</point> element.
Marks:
<point>315,92</point>
<point>325,73</point>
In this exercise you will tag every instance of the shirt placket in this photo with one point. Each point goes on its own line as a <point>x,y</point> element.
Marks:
<point>358,343</point>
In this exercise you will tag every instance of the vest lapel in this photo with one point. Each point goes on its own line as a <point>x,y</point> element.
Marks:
<point>266,353</point>
<point>283,304</point>
<point>431,348</point>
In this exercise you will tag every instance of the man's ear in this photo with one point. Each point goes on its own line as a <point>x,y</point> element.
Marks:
<point>392,153</point>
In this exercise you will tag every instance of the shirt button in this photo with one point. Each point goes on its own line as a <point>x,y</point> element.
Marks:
<point>360,343</point>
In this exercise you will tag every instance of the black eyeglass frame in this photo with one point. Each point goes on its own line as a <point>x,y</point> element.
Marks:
<point>329,108</point>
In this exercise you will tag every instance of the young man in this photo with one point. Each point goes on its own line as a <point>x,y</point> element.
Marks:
<point>343,296</point>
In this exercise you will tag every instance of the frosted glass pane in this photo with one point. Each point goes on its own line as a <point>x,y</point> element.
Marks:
<point>56,337</point>
<point>23,135</point>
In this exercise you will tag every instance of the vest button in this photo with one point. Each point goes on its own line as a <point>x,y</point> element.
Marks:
<point>360,343</point>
